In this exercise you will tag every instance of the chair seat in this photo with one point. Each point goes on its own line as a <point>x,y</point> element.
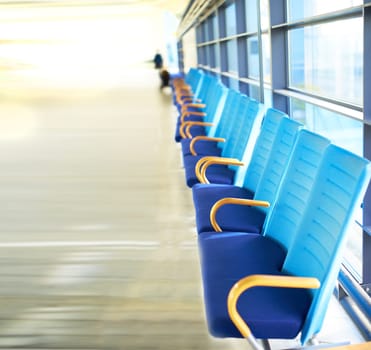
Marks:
<point>206,195</point>
<point>232,217</point>
<point>216,173</point>
<point>229,256</point>
<point>206,148</point>
<point>196,129</point>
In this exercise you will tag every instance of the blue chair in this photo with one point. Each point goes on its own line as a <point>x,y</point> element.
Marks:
<point>278,284</point>
<point>228,213</point>
<point>213,142</point>
<point>210,113</point>
<point>187,90</point>
<point>223,169</point>
<point>207,194</point>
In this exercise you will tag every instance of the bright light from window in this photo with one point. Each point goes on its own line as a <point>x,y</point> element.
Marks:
<point>67,45</point>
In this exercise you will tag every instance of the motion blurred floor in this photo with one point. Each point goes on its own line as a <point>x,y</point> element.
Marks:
<point>97,242</point>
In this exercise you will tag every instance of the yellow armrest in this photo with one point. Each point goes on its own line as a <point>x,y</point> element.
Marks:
<point>205,162</point>
<point>262,281</point>
<point>195,105</point>
<point>188,128</point>
<point>185,127</point>
<point>238,201</point>
<point>203,138</point>
<point>186,97</point>
<point>186,114</point>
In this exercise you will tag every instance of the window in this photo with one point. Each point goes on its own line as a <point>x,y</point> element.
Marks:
<point>251,16</point>
<point>253,57</point>
<point>326,59</point>
<point>232,57</point>
<point>230,19</point>
<point>299,9</point>
<point>266,58</point>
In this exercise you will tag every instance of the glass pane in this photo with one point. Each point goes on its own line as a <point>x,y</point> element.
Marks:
<point>342,131</point>
<point>299,9</point>
<point>210,56</point>
<point>230,20</point>
<point>233,84</point>
<point>266,58</point>
<point>232,56</point>
<point>215,27</point>
<point>253,57</point>
<point>268,98</point>
<point>251,16</point>
<point>327,60</point>
<point>346,133</point>
<point>199,34</point>
<point>209,30</point>
<point>217,56</point>
<point>254,92</point>
<point>264,14</point>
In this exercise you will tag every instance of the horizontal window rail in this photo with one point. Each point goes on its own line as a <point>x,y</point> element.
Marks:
<point>354,112</point>
<point>352,12</point>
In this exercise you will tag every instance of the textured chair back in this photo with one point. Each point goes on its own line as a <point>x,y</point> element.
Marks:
<point>283,220</point>
<point>317,249</point>
<point>279,156</point>
<point>215,103</point>
<point>262,148</point>
<point>221,128</point>
<point>252,114</point>
<point>240,121</point>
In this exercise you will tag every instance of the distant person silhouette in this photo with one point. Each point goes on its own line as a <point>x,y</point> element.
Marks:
<point>158,61</point>
<point>165,78</point>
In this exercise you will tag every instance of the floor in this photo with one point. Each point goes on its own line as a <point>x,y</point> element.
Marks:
<point>97,243</point>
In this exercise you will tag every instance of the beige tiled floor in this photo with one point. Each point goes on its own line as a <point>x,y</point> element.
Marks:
<point>97,246</point>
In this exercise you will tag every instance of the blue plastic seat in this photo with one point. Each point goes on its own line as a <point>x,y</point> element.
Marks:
<point>187,90</point>
<point>205,195</point>
<point>248,114</point>
<point>201,118</point>
<point>282,280</point>
<point>213,142</point>
<point>234,217</point>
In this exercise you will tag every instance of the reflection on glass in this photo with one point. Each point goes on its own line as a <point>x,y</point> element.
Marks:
<point>215,27</point>
<point>253,57</point>
<point>266,57</point>
<point>264,14</point>
<point>299,9</point>
<point>327,59</point>
<point>232,56</point>
<point>230,20</point>
<point>254,92</point>
<point>268,102</point>
<point>344,132</point>
<point>233,84</point>
<point>217,56</point>
<point>251,16</point>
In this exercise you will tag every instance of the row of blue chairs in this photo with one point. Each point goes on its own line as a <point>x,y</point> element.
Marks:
<point>273,206</point>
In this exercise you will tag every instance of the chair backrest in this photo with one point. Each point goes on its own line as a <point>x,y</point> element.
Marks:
<point>296,185</point>
<point>246,136</point>
<point>198,83</point>
<point>317,249</point>
<point>203,87</point>
<point>215,103</point>
<point>192,78</point>
<point>233,127</point>
<point>282,147</point>
<point>220,129</point>
<point>262,148</point>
